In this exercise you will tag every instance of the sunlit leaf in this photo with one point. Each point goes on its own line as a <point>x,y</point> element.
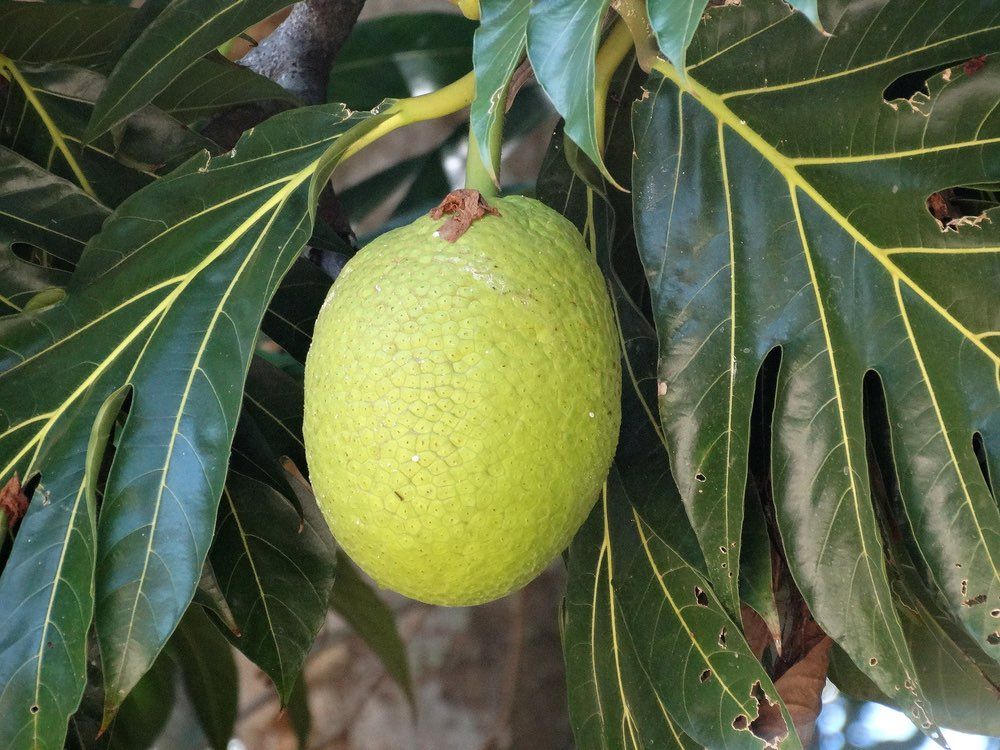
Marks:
<point>810,231</point>
<point>168,299</point>
<point>498,48</point>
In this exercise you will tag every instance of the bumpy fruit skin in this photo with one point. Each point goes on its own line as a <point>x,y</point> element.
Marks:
<point>462,402</point>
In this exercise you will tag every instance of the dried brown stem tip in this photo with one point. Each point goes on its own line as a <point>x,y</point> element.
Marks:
<point>464,206</point>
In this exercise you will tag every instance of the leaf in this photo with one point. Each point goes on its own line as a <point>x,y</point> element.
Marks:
<point>47,586</point>
<point>168,299</point>
<point>253,457</point>
<point>209,595</point>
<point>651,656</point>
<point>213,84</point>
<point>674,22</point>
<point>400,55</point>
<point>801,690</point>
<point>46,109</point>
<point>73,34</point>
<point>209,671</point>
<point>370,617</point>
<point>44,224</point>
<point>183,32</point>
<point>274,399</point>
<point>276,570</point>
<point>809,231</point>
<point>756,585</point>
<point>563,36</point>
<point>498,47</point>
<point>298,711</point>
<point>290,317</point>
<point>145,711</point>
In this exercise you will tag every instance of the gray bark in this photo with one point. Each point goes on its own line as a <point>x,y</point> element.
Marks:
<point>298,54</point>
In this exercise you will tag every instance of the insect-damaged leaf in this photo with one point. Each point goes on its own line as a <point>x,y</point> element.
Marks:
<point>168,299</point>
<point>809,230</point>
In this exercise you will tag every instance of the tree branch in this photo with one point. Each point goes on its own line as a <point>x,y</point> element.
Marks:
<point>298,54</point>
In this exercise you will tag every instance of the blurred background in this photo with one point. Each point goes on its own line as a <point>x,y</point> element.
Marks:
<point>489,677</point>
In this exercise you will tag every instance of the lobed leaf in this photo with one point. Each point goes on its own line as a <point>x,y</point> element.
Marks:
<point>810,232</point>
<point>45,112</point>
<point>166,299</point>
<point>173,41</point>
<point>45,223</point>
<point>276,569</point>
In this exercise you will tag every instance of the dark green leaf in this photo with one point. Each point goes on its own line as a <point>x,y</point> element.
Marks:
<point>650,654</point>
<point>674,22</point>
<point>563,37</point>
<point>298,711</point>
<point>145,711</point>
<point>371,618</point>
<point>182,33</point>
<point>276,570</point>
<point>290,318</point>
<point>400,55</point>
<point>209,595</point>
<point>213,84</point>
<point>810,231</point>
<point>209,671</point>
<point>46,109</point>
<point>254,458</point>
<point>73,34</point>
<point>498,48</point>
<point>47,586</point>
<point>167,298</point>
<point>756,584</point>
<point>274,399</point>
<point>47,220</point>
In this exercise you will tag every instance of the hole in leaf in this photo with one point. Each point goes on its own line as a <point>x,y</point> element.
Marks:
<point>701,596</point>
<point>705,676</point>
<point>914,84</point>
<point>974,601</point>
<point>700,477</point>
<point>979,448</point>
<point>965,586</point>
<point>770,724</point>
<point>741,723</point>
<point>995,613</point>
<point>873,661</point>
<point>993,638</point>
<point>34,709</point>
<point>962,205</point>
<point>722,638</point>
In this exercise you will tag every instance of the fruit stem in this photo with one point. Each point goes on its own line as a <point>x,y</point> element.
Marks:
<point>477,174</point>
<point>609,57</point>
<point>445,101</point>
<point>633,13</point>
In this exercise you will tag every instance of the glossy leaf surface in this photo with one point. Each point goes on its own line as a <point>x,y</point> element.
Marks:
<point>810,231</point>
<point>166,299</point>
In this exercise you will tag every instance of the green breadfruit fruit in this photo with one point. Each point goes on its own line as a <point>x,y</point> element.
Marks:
<point>462,400</point>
